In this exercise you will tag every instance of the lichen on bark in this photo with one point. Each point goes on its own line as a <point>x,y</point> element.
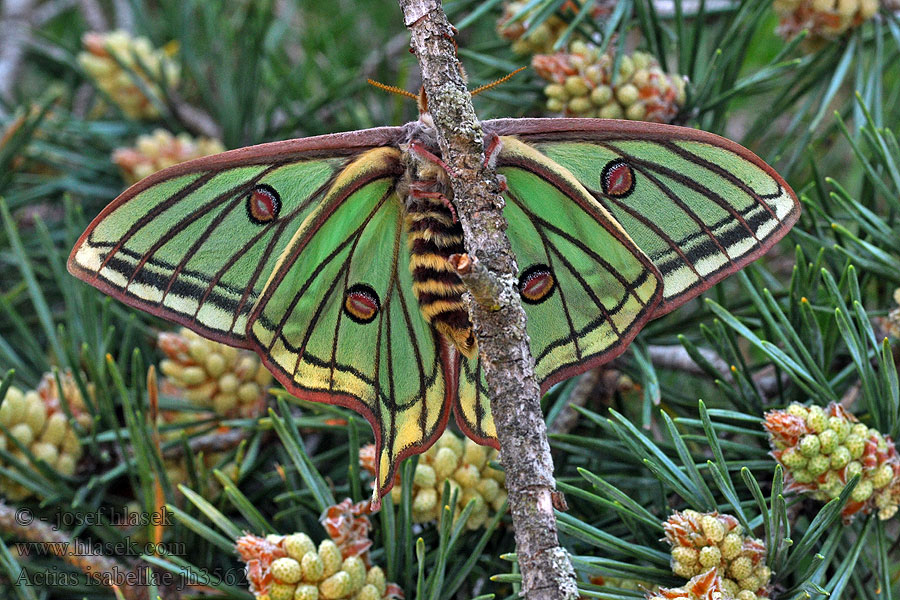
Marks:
<point>497,316</point>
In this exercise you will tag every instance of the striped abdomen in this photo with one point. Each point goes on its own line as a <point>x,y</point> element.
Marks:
<point>433,237</point>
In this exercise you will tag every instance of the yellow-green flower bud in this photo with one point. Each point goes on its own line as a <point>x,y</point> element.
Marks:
<point>475,454</point>
<point>862,491</point>
<point>425,500</point>
<point>840,457</point>
<point>312,566</point>
<point>368,592</point>
<point>636,112</point>
<point>746,595</point>
<point>852,469</point>
<point>818,464</point>
<point>356,568</point>
<point>626,68</point>
<point>792,459</point>
<point>860,430</point>
<point>191,376</point>
<point>750,583</point>
<point>36,413</point>
<point>331,557</point>
<point>445,462</point>
<point>335,586</point>
<point>731,588</point>
<point>70,444</point>
<point>601,94</point>
<point>840,426</point>
<point>798,410</point>
<point>13,407</point>
<point>305,591</point>
<point>298,545</point>
<point>424,475</point>
<point>216,364</point>
<point>686,555</point>
<point>731,546</point>
<point>488,488</point>
<point>712,528</point>
<point>467,476</point>
<point>286,570</point>
<point>710,556</point>
<point>828,441</point>
<point>556,91</point>
<point>856,445</point>
<point>375,577</point>
<point>224,403</point>
<point>45,452</point>
<point>497,503</point>
<point>627,94</point>
<point>802,476</point>
<point>882,476</point>
<point>579,105</point>
<point>809,445</point>
<point>555,105</point>
<point>685,570</point>
<point>816,419</point>
<point>576,86</point>
<point>22,432</point>
<point>740,568</point>
<point>641,60</point>
<point>594,74</point>
<point>612,110</point>
<point>65,465</point>
<point>282,591</point>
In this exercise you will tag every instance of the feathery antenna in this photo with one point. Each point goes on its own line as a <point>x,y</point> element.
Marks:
<point>392,89</point>
<point>503,79</point>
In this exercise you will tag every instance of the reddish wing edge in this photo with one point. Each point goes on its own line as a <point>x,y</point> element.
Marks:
<point>557,129</point>
<point>331,145</point>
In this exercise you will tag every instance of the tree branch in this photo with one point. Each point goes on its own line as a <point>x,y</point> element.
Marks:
<point>499,321</point>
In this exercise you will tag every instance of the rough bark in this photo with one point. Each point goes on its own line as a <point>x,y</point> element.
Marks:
<point>498,319</point>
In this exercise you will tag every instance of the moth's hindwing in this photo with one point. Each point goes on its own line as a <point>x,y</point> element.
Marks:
<point>586,287</point>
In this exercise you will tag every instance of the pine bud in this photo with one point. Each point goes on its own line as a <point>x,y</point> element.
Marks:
<point>809,446</point>
<point>282,591</point>
<point>336,586</point>
<point>828,441</point>
<point>297,545</point>
<point>306,591</point>
<point>286,570</point>
<point>313,567</point>
<point>710,556</point>
<point>375,577</point>
<point>331,557</point>
<point>368,592</point>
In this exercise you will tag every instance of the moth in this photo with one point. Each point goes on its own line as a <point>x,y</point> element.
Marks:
<point>328,256</point>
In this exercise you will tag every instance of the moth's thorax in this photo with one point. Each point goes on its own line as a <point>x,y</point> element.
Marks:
<point>434,234</point>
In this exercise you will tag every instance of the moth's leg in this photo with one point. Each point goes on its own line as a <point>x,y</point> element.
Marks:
<point>492,147</point>
<point>430,157</point>
<point>417,192</point>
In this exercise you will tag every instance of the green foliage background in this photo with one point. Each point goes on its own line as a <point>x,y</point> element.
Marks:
<point>273,70</point>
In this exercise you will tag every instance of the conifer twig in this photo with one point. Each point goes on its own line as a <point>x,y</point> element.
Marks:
<point>499,322</point>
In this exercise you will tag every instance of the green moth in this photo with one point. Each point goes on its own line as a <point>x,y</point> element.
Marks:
<point>328,256</point>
